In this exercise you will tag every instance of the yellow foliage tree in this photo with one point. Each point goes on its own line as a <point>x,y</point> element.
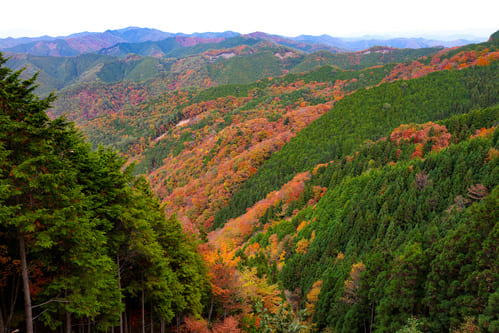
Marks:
<point>258,289</point>
<point>302,246</point>
<point>468,326</point>
<point>312,297</point>
<point>352,284</point>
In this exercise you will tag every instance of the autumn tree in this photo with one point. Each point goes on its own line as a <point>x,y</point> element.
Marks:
<point>312,297</point>
<point>352,284</point>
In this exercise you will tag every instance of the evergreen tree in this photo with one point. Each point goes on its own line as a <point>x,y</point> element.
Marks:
<point>91,242</point>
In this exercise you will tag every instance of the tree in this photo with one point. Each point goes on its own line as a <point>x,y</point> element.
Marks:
<point>59,242</point>
<point>312,297</point>
<point>352,284</point>
<point>283,321</point>
<point>71,218</point>
<point>412,326</point>
<point>9,266</point>
<point>27,135</point>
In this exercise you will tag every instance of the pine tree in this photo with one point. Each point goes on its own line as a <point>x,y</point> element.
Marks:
<point>59,241</point>
<point>24,134</point>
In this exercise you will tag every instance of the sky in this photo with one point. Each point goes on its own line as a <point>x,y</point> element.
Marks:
<point>344,18</point>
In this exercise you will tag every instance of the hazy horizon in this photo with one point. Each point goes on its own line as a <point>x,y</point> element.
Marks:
<point>278,17</point>
<point>440,35</point>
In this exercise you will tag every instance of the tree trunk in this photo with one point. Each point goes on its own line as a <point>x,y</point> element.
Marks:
<point>211,310</point>
<point>27,294</point>
<point>177,315</point>
<point>119,289</point>
<point>152,323</point>
<point>143,310</point>
<point>68,322</point>
<point>3,327</point>
<point>372,318</point>
<point>125,321</point>
<point>68,316</point>
<point>162,326</point>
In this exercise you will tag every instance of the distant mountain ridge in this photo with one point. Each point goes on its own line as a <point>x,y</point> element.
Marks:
<point>241,59</point>
<point>87,42</point>
<point>362,43</point>
<point>166,47</point>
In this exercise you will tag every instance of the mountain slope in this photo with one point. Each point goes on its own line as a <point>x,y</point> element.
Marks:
<point>365,241</point>
<point>400,231</point>
<point>380,225</point>
<point>165,132</point>
<point>367,115</point>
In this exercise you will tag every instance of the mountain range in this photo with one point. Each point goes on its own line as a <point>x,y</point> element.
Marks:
<point>94,41</point>
<point>200,60</point>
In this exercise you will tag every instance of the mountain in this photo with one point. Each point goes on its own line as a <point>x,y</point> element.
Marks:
<point>370,223</point>
<point>166,47</point>
<point>362,43</point>
<point>55,47</point>
<point>96,106</point>
<point>55,73</point>
<point>306,46</point>
<point>217,41</point>
<point>78,43</point>
<point>133,34</point>
<point>181,61</point>
<point>94,41</point>
<point>317,148</point>
<point>9,42</point>
<point>352,191</point>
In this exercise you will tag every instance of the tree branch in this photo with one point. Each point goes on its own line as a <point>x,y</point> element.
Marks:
<point>50,301</point>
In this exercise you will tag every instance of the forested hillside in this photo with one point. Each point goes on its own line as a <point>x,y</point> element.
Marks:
<point>396,232</point>
<point>366,115</point>
<point>364,242</point>
<point>180,62</point>
<point>289,191</point>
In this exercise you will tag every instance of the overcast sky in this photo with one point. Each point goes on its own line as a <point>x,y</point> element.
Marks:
<point>344,18</point>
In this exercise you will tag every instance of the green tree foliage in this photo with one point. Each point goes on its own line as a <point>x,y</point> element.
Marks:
<point>82,239</point>
<point>426,246</point>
